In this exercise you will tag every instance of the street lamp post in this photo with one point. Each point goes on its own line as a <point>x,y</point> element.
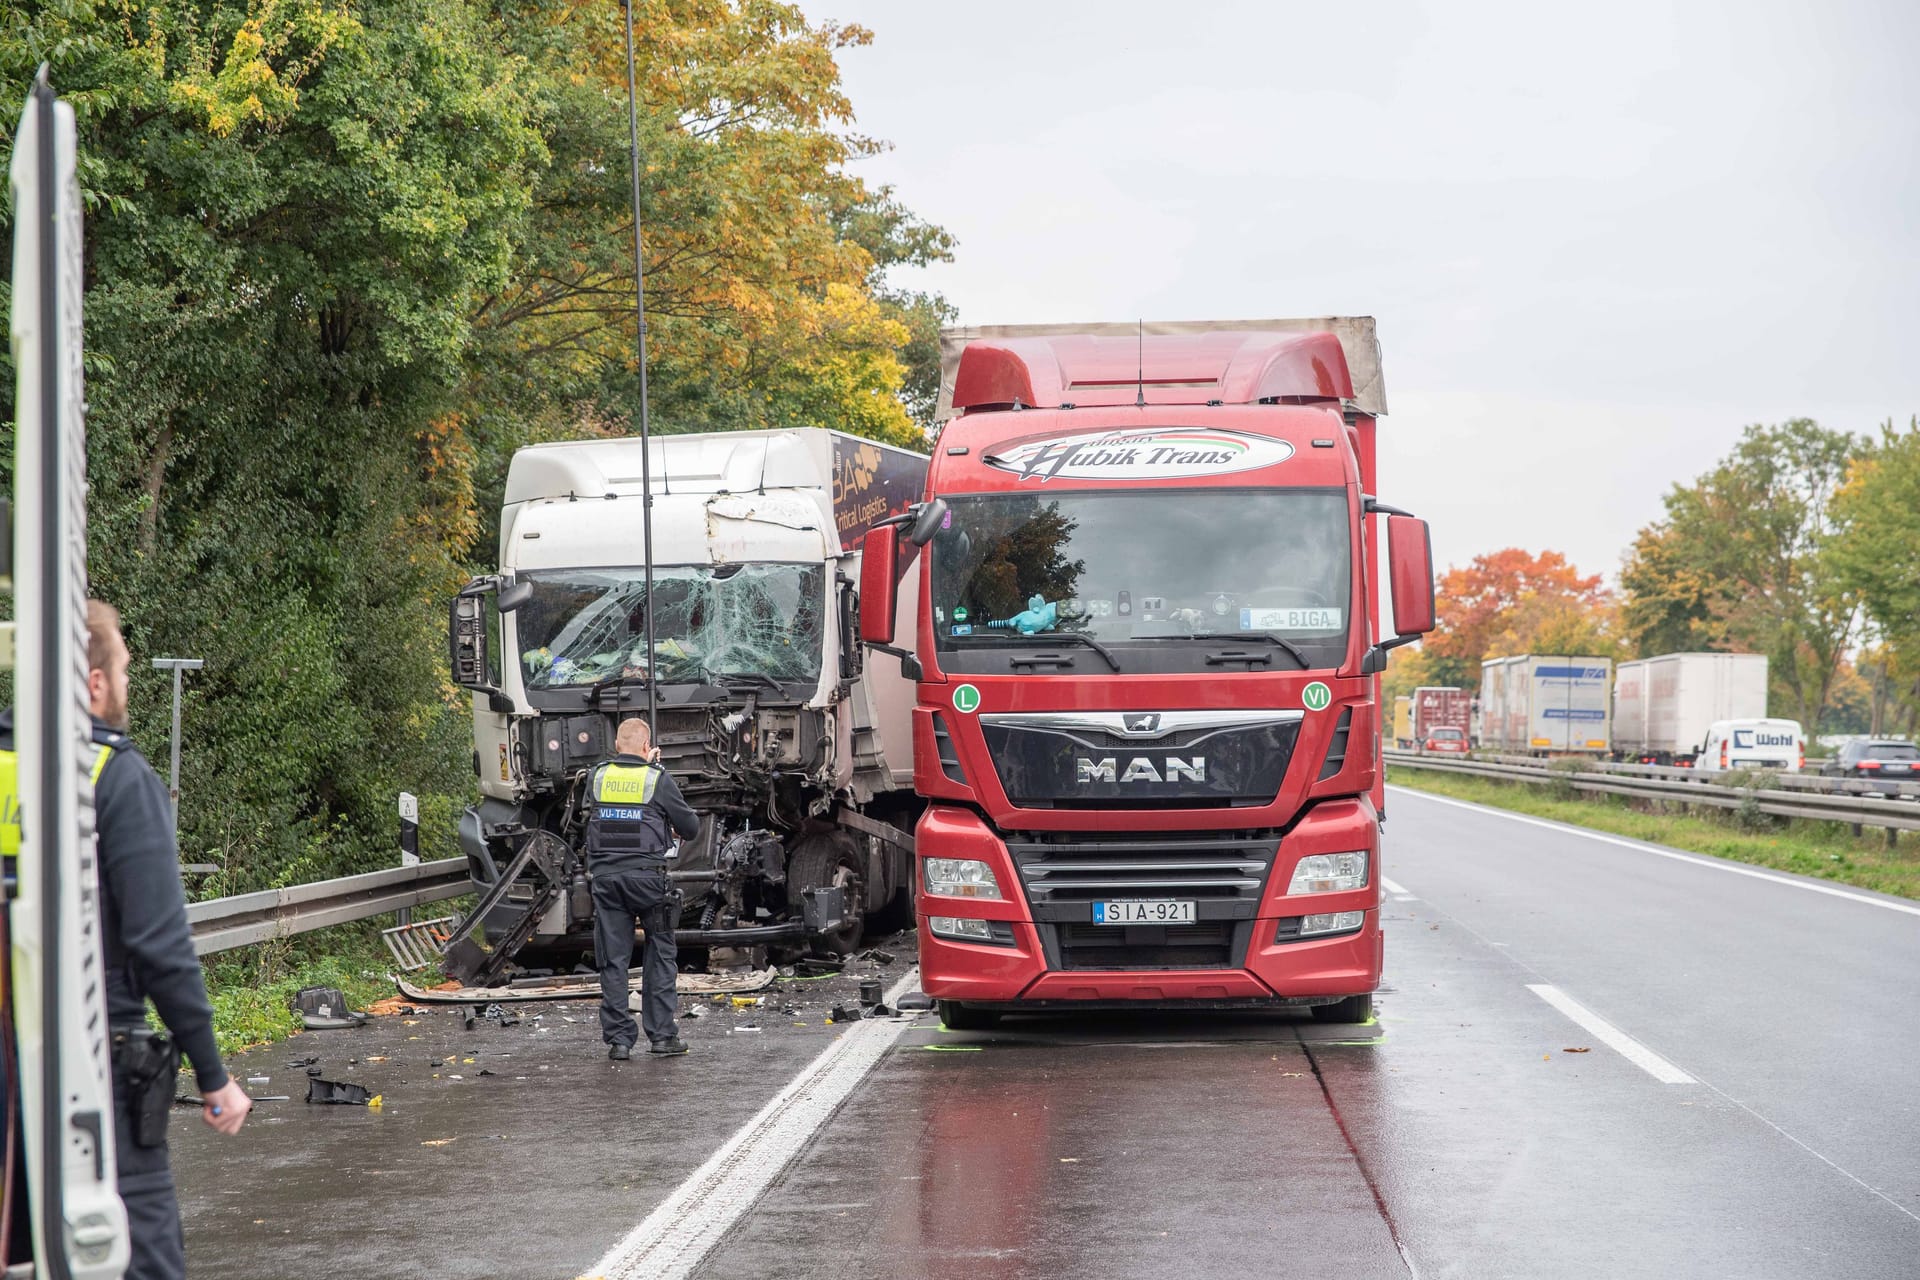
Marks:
<point>177,665</point>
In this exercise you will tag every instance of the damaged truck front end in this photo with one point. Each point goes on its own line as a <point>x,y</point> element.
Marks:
<point>765,713</point>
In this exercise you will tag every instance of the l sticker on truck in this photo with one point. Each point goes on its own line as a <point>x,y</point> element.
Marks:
<point>1167,453</point>
<point>966,699</point>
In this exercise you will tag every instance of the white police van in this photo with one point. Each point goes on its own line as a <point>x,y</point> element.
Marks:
<point>1780,745</point>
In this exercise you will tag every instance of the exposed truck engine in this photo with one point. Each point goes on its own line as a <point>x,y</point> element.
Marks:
<point>793,748</point>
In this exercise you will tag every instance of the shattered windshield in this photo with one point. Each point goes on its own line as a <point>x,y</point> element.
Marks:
<point>1141,571</point>
<point>587,625</point>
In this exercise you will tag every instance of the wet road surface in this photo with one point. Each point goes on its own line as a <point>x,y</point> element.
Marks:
<point>1459,1137</point>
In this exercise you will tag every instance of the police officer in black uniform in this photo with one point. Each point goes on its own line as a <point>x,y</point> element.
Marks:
<point>631,804</point>
<point>149,954</point>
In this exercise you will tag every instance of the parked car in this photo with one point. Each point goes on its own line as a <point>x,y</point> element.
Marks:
<point>1780,745</point>
<point>1889,760</point>
<point>1445,738</point>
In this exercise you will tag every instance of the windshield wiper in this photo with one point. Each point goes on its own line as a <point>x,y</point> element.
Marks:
<point>725,678</point>
<point>611,682</point>
<point>1292,649</point>
<point>1044,637</point>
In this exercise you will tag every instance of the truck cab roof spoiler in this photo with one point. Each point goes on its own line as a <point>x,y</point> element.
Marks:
<point>1308,360</point>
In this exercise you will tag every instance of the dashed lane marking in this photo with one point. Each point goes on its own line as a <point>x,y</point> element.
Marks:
<point>1398,891</point>
<point>678,1235</point>
<point>1712,864</point>
<point>1629,1048</point>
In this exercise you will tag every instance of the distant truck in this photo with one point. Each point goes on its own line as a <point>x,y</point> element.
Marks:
<point>1403,722</point>
<point>795,750</point>
<point>1441,707</point>
<point>1663,707</point>
<point>1539,705</point>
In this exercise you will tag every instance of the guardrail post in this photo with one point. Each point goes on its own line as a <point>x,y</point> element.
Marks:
<point>177,665</point>
<point>409,843</point>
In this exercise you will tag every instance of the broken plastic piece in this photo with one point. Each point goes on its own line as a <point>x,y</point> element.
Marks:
<point>338,1092</point>
<point>325,1009</point>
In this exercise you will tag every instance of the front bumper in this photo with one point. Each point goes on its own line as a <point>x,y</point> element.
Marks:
<point>1051,958</point>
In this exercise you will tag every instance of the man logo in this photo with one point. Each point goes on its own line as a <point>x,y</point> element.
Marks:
<point>1139,769</point>
<point>1148,722</point>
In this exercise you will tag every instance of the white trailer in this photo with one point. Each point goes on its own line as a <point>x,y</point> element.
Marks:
<point>1546,703</point>
<point>1663,706</point>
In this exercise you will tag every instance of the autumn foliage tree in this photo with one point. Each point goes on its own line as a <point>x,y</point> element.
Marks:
<point>1512,602</point>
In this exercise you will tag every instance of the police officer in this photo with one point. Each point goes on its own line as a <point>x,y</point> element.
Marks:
<point>631,804</point>
<point>149,954</point>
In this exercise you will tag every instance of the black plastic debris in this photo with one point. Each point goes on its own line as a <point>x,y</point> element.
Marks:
<point>338,1092</point>
<point>325,1009</point>
<point>814,967</point>
<point>843,1014</point>
<point>875,955</point>
<point>307,1061</point>
<point>870,991</point>
<point>915,1002</point>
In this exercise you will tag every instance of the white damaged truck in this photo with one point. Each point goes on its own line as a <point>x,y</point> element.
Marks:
<point>793,744</point>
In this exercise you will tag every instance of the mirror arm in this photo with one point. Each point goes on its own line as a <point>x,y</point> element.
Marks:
<point>1371,505</point>
<point>1375,660</point>
<point>909,665</point>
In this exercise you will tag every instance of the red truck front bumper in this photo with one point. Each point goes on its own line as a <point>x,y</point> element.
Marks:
<point>1017,971</point>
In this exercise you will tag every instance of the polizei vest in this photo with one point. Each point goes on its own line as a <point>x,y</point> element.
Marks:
<point>623,824</point>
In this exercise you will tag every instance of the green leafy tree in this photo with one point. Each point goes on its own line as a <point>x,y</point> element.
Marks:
<point>1741,563</point>
<point>1876,554</point>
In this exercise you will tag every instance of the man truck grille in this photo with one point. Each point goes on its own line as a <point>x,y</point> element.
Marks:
<point>1222,874</point>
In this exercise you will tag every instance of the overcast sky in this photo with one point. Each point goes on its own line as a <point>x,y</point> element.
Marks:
<point>1597,240</point>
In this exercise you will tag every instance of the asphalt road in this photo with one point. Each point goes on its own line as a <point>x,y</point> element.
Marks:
<point>1745,1109</point>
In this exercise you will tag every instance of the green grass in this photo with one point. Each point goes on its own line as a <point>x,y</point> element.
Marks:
<point>252,988</point>
<point>1828,850</point>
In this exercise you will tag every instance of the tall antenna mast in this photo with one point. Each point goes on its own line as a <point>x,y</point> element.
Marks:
<point>1140,396</point>
<point>640,310</point>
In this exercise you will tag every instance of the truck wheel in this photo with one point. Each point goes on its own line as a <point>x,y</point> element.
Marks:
<point>1352,1009</point>
<point>897,915</point>
<point>829,859</point>
<point>960,1017</point>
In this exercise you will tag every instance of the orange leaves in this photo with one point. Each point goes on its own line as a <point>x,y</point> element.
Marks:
<point>1512,601</point>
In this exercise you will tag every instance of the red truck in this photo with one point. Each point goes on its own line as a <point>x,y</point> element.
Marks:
<point>1442,715</point>
<point>1148,644</point>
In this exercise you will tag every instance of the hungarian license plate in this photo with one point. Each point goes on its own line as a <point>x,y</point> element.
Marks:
<point>1143,912</point>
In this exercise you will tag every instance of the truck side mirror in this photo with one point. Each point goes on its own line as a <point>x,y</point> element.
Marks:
<point>468,642</point>
<point>1410,551</point>
<point>879,583</point>
<point>514,596</point>
<point>928,518</point>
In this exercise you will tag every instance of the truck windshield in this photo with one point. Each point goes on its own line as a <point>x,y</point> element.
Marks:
<point>1162,579</point>
<point>587,625</point>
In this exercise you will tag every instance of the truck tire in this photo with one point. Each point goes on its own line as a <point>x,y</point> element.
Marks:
<point>829,858</point>
<point>960,1017</point>
<point>1352,1009</point>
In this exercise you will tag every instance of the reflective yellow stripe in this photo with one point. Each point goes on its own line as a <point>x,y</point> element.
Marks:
<point>10,797</point>
<point>9,804</point>
<point>625,783</point>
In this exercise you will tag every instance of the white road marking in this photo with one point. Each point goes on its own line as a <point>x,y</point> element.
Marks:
<point>1391,887</point>
<point>1629,1048</point>
<point>1712,864</point>
<point>677,1236</point>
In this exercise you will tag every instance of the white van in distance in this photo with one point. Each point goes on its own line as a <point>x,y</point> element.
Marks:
<point>1753,744</point>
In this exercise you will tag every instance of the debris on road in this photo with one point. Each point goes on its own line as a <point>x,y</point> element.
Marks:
<point>325,1009</point>
<point>1583,1049</point>
<point>874,955</point>
<point>339,1092</point>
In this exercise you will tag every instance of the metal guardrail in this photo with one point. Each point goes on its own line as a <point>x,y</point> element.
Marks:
<point>1888,805</point>
<point>220,924</point>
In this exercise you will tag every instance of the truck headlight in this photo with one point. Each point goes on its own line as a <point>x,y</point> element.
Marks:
<point>960,928</point>
<point>960,878</point>
<point>1329,873</point>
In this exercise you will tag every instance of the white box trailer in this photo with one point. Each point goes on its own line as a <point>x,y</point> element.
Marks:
<point>1663,706</point>
<point>1536,703</point>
